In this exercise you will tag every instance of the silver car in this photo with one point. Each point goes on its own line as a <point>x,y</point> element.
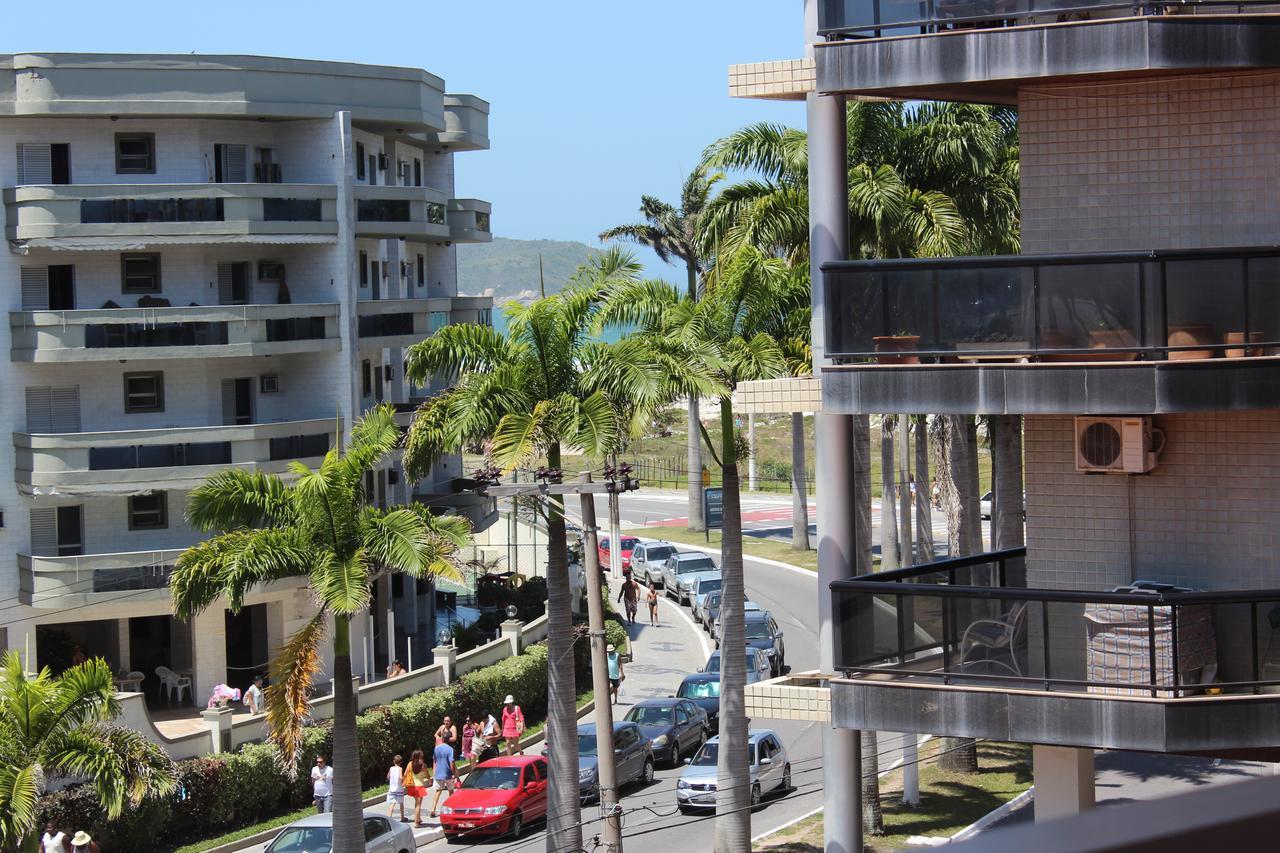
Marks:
<point>681,570</point>
<point>770,772</point>
<point>314,834</point>
<point>702,590</point>
<point>647,559</point>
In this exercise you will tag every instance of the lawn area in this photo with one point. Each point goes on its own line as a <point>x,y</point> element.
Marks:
<point>752,546</point>
<point>948,802</point>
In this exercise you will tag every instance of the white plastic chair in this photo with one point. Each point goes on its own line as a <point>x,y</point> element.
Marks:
<point>999,639</point>
<point>179,684</point>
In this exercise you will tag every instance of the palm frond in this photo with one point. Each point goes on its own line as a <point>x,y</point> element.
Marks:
<point>232,564</point>
<point>19,792</point>
<point>288,696</point>
<point>122,765</point>
<point>341,582</point>
<point>457,349</point>
<point>236,498</point>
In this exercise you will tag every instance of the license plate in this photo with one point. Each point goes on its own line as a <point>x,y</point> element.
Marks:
<point>467,824</point>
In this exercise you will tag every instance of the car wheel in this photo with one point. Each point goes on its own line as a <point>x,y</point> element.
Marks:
<point>646,772</point>
<point>786,779</point>
<point>755,797</point>
<point>517,825</point>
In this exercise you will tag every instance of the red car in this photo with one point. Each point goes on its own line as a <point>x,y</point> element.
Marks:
<point>500,796</point>
<point>628,545</point>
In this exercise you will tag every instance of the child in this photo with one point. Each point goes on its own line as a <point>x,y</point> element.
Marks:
<point>395,787</point>
<point>415,784</point>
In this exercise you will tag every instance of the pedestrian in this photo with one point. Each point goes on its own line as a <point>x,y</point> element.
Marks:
<point>53,841</point>
<point>631,593</point>
<point>253,698</point>
<point>486,743</point>
<point>512,724</point>
<point>652,598</point>
<point>616,673</point>
<point>322,785</point>
<point>395,669</point>
<point>82,842</point>
<point>415,784</point>
<point>444,772</point>
<point>469,730</point>
<point>448,732</point>
<point>395,787</point>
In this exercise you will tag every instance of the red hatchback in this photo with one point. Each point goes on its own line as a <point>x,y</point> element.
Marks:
<point>628,545</point>
<point>500,796</point>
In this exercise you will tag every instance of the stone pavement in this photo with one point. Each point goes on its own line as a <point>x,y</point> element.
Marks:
<point>661,656</point>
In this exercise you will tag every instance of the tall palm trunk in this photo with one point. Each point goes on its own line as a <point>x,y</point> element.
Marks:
<point>733,791</point>
<point>862,494</point>
<point>1006,486</point>
<point>924,489</point>
<point>697,521</point>
<point>890,559</point>
<point>564,810</point>
<point>872,813</point>
<point>348,822</point>
<point>799,499</point>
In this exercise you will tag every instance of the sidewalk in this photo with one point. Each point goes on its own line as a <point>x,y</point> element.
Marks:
<point>660,657</point>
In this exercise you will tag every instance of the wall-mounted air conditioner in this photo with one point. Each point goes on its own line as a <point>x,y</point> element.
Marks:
<point>1121,445</point>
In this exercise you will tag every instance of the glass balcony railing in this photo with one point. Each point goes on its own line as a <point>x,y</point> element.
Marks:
<point>295,329</point>
<point>382,210</point>
<point>973,622</point>
<point>299,446</point>
<point>1167,305</point>
<point>159,456</point>
<point>118,335</point>
<point>292,210</point>
<point>119,210</point>
<point>385,325</point>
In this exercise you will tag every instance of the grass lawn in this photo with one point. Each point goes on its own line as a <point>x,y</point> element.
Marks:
<point>752,546</point>
<point>948,802</point>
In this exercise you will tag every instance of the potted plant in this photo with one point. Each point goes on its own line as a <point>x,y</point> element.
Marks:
<point>902,342</point>
<point>1182,336</point>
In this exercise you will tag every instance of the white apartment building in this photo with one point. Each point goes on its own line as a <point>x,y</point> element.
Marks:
<point>212,261</point>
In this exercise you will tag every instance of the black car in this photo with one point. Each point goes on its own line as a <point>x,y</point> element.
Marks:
<point>703,690</point>
<point>632,755</point>
<point>763,633</point>
<point>674,727</point>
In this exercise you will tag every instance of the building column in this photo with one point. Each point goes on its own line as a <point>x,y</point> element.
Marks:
<point>208,653</point>
<point>1063,777</point>
<point>124,662</point>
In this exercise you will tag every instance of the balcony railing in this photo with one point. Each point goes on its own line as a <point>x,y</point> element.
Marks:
<point>63,581</point>
<point>872,17</point>
<point>973,622</point>
<point>1124,306</point>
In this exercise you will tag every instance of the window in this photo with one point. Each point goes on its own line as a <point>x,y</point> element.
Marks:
<point>437,320</point>
<point>149,512</point>
<point>143,392</point>
<point>485,317</point>
<point>140,273</point>
<point>541,768</point>
<point>422,270</point>
<point>366,379</point>
<point>529,776</point>
<point>359,161</point>
<point>682,714</point>
<point>364,269</point>
<point>375,828</point>
<point>417,172</point>
<point>135,153</point>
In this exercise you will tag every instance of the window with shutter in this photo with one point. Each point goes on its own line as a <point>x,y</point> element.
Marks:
<point>35,163</point>
<point>44,531</point>
<point>140,273</point>
<point>229,163</point>
<point>53,409</point>
<point>233,283</point>
<point>35,288</point>
<point>70,531</point>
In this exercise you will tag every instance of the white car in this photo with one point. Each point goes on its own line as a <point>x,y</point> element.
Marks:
<point>314,834</point>
<point>770,772</point>
<point>647,559</point>
<point>706,584</point>
<point>986,501</point>
<point>678,573</point>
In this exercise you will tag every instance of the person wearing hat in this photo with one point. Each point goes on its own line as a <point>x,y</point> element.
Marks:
<point>616,674</point>
<point>82,842</point>
<point>253,698</point>
<point>512,724</point>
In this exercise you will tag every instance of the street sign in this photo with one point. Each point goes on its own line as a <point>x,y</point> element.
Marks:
<point>713,507</point>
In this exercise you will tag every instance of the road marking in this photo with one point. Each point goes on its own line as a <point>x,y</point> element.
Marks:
<point>697,629</point>
<point>786,825</point>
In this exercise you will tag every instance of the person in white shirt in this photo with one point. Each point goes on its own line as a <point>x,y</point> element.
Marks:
<point>253,698</point>
<point>322,785</point>
<point>395,787</point>
<point>53,841</point>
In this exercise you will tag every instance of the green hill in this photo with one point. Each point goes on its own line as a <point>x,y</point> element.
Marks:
<point>508,269</point>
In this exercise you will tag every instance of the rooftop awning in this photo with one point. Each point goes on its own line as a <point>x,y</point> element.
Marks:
<point>140,242</point>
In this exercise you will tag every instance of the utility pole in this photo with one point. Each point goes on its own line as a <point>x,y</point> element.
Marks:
<point>910,753</point>
<point>615,519</point>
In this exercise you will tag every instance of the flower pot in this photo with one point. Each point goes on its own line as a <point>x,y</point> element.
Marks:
<point>888,344</point>
<point>1058,339</point>
<point>1107,339</point>
<point>1183,336</point>
<point>1243,352</point>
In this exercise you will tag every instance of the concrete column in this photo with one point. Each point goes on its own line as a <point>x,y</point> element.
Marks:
<point>446,656</point>
<point>219,722</point>
<point>208,653</point>
<point>513,630</point>
<point>124,662</point>
<point>1063,777</point>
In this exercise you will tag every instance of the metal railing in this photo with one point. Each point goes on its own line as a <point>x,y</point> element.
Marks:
<point>972,621</point>
<point>1115,306</point>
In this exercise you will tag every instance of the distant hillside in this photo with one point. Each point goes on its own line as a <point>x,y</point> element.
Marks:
<point>508,269</point>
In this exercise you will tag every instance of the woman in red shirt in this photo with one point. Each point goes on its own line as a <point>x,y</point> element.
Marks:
<point>512,724</point>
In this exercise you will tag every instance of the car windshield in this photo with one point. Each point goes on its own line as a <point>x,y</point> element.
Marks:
<point>699,690</point>
<point>303,839</point>
<point>685,566</point>
<point>586,743</point>
<point>658,552</point>
<point>758,630</point>
<point>710,753</point>
<point>656,715</point>
<point>490,778</point>
<point>709,585</point>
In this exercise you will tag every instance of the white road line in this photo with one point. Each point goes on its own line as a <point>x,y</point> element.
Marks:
<point>786,825</point>
<point>702,638</point>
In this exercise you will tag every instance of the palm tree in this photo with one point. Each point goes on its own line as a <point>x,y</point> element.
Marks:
<point>676,233</point>
<point>1006,487</point>
<point>60,727</point>
<point>924,514</point>
<point>890,559</point>
<point>318,527</point>
<point>544,384</point>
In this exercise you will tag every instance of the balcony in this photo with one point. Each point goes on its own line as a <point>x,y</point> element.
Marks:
<point>140,576</point>
<point>410,213</point>
<point>402,322</point>
<point>204,331</point>
<point>983,50</point>
<point>469,220</point>
<point>1132,333</point>
<point>964,648</point>
<point>119,217</point>
<point>466,124</point>
<point>123,461</point>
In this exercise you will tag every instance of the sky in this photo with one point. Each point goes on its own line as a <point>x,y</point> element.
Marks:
<point>593,104</point>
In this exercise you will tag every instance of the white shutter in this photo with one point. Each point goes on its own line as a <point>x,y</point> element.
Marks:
<point>39,411</point>
<point>44,531</point>
<point>35,163</point>
<point>226,288</point>
<point>233,163</point>
<point>64,406</point>
<point>35,288</point>
<point>228,401</point>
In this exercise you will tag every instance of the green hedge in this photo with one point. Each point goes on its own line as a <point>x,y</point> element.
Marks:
<point>220,793</point>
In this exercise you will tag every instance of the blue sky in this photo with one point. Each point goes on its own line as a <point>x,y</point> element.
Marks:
<point>593,103</point>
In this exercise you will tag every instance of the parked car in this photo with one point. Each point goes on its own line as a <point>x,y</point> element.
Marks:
<point>758,666</point>
<point>710,611</point>
<point>633,757</point>
<point>705,585</point>
<point>499,796</point>
<point>314,834</point>
<point>681,570</point>
<point>748,606</point>
<point>703,690</point>
<point>763,633</point>
<point>770,772</point>
<point>673,726</point>
<point>647,559</point>
<point>986,501</point>
<point>627,542</point>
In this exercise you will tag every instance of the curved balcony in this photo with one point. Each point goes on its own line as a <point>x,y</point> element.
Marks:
<point>1110,333</point>
<point>411,213</point>
<point>469,220</point>
<point>206,331</point>
<point>139,576</point>
<point>129,461</point>
<point>466,124</point>
<point>132,216</point>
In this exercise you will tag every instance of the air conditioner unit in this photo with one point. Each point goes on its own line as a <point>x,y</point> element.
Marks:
<point>269,383</point>
<point>1123,445</point>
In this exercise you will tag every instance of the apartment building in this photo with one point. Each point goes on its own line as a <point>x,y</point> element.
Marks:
<point>212,261</point>
<point>1138,338</point>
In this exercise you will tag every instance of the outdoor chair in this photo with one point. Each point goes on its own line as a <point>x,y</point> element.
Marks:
<point>995,642</point>
<point>174,683</point>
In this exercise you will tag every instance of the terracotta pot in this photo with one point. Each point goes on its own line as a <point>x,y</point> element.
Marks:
<point>1106,339</point>
<point>896,344</point>
<point>1058,339</point>
<point>1243,352</point>
<point>1182,336</point>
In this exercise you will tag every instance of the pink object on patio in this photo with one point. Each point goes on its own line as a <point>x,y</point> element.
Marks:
<point>222,694</point>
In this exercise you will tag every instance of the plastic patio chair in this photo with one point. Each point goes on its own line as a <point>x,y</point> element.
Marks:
<point>999,639</point>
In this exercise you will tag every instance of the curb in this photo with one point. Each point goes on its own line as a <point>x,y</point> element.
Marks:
<point>996,815</point>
